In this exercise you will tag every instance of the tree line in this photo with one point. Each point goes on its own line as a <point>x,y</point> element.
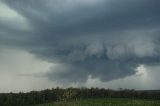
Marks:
<point>60,94</point>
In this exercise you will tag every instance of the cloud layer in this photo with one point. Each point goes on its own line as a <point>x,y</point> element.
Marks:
<point>105,39</point>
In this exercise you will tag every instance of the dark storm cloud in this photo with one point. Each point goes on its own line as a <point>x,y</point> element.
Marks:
<point>107,39</point>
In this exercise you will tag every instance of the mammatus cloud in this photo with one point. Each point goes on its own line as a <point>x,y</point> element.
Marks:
<point>105,39</point>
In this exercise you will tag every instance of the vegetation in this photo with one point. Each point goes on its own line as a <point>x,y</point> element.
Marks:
<point>106,102</point>
<point>74,94</point>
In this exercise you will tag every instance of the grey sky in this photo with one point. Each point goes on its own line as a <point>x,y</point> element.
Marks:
<point>79,40</point>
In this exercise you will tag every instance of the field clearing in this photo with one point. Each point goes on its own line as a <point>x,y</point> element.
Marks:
<point>105,102</point>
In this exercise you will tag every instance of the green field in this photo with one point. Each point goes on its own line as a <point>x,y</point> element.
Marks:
<point>105,102</point>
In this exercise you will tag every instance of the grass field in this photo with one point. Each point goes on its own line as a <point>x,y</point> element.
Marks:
<point>105,102</point>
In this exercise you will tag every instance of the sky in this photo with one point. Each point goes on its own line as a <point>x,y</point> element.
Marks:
<point>80,43</point>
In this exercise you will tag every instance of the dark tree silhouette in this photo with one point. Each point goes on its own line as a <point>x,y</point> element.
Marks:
<point>60,94</point>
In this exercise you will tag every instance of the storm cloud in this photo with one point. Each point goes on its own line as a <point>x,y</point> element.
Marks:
<point>105,39</point>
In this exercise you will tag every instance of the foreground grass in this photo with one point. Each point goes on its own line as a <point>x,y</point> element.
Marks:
<point>105,102</point>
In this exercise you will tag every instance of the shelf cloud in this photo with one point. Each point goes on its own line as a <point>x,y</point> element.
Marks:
<point>105,39</point>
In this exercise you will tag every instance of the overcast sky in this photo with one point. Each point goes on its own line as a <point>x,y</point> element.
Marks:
<point>92,43</point>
